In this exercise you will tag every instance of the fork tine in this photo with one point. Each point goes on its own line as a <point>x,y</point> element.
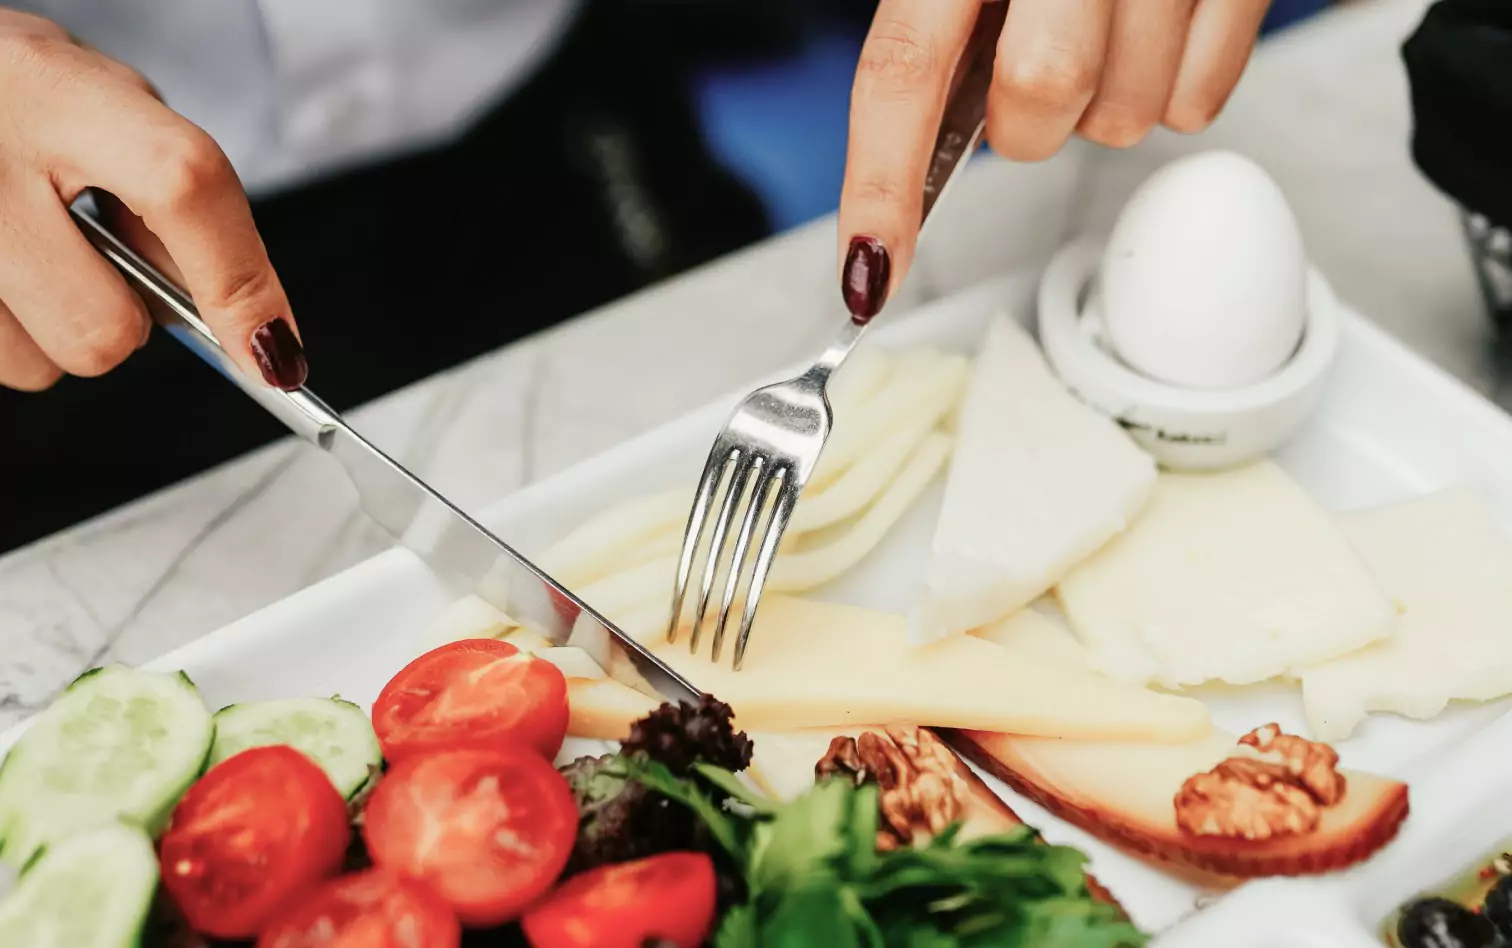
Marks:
<point>708,485</point>
<point>782,511</point>
<point>759,494</point>
<point>733,494</point>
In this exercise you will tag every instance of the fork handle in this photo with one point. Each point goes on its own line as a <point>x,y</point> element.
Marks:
<point>965,118</point>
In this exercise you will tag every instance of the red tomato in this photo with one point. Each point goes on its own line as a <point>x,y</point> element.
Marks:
<point>487,830</point>
<point>670,897</point>
<point>261,826</point>
<point>372,909</point>
<point>473,693</point>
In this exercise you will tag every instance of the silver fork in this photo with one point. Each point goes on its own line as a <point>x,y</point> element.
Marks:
<point>772,442</point>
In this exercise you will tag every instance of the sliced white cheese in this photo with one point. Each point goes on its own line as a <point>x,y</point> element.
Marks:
<point>813,664</point>
<point>1038,481</point>
<point>1447,565</point>
<point>602,544</point>
<point>924,383</point>
<point>1238,576</point>
<point>468,618</point>
<point>526,640</point>
<point>639,600</point>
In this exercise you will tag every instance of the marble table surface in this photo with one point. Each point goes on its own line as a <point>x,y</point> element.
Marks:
<point>1323,107</point>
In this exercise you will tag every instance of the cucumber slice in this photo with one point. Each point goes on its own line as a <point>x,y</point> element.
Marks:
<point>93,890</point>
<point>336,734</point>
<point>117,743</point>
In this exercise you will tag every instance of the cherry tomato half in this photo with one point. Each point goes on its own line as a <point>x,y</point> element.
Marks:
<point>668,897</point>
<point>488,830</point>
<point>473,693</point>
<point>371,909</point>
<point>258,828</point>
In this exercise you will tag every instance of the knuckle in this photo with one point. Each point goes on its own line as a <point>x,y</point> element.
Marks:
<point>29,52</point>
<point>1117,126</point>
<point>875,190</point>
<point>1021,149</point>
<point>1190,114</point>
<point>133,77</point>
<point>897,56</point>
<point>106,343</point>
<point>35,375</point>
<point>1049,82</point>
<point>189,166</point>
<point>1022,142</point>
<point>246,287</point>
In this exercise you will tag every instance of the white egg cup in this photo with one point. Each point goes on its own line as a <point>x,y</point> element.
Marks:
<point>1182,428</point>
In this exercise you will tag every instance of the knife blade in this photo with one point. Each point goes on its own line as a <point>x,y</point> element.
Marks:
<point>445,538</point>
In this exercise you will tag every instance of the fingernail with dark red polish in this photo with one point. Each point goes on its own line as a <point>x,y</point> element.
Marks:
<point>868,272</point>
<point>279,355</point>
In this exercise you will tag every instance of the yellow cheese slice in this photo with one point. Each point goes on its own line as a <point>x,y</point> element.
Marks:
<point>604,709</point>
<point>782,762</point>
<point>1238,577</point>
<point>813,664</point>
<point>1030,633</point>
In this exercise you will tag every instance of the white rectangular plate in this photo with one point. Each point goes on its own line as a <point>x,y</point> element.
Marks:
<point>1389,426</point>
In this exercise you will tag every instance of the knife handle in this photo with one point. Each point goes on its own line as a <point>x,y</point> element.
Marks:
<point>172,309</point>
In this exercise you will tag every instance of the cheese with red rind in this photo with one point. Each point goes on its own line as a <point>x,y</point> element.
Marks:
<point>1125,795</point>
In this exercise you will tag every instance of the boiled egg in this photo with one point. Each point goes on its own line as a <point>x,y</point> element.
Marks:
<point>1203,282</point>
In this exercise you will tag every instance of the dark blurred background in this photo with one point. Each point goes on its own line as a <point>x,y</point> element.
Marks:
<point>774,113</point>
<point>660,134</point>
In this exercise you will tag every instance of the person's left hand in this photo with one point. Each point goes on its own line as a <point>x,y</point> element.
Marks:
<point>1108,70</point>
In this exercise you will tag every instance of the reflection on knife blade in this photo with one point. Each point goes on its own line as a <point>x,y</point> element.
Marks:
<point>442,536</point>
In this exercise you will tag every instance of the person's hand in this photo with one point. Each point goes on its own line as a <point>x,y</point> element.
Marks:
<point>71,119</point>
<point>1108,70</point>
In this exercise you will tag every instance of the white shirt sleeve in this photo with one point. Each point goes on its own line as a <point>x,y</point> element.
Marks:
<point>296,88</point>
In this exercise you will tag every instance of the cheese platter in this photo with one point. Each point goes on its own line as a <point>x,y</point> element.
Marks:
<point>1251,704</point>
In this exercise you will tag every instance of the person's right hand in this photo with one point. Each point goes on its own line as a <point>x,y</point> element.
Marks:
<point>72,119</point>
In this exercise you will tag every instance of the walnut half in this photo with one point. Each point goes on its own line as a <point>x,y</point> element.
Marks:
<point>1275,785</point>
<point>1313,765</point>
<point>922,791</point>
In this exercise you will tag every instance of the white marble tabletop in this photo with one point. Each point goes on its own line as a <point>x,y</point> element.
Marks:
<point>1322,107</point>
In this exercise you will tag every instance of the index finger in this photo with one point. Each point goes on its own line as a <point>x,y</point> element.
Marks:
<point>172,175</point>
<point>901,83</point>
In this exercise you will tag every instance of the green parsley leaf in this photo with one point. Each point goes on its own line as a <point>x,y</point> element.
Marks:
<point>812,914</point>
<point>814,876</point>
<point>735,787</point>
<point>738,929</point>
<point>728,829</point>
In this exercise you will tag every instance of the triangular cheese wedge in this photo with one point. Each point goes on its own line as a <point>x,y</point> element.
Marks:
<point>1038,481</point>
<point>814,664</point>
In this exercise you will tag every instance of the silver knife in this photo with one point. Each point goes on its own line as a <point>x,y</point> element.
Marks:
<point>446,539</point>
